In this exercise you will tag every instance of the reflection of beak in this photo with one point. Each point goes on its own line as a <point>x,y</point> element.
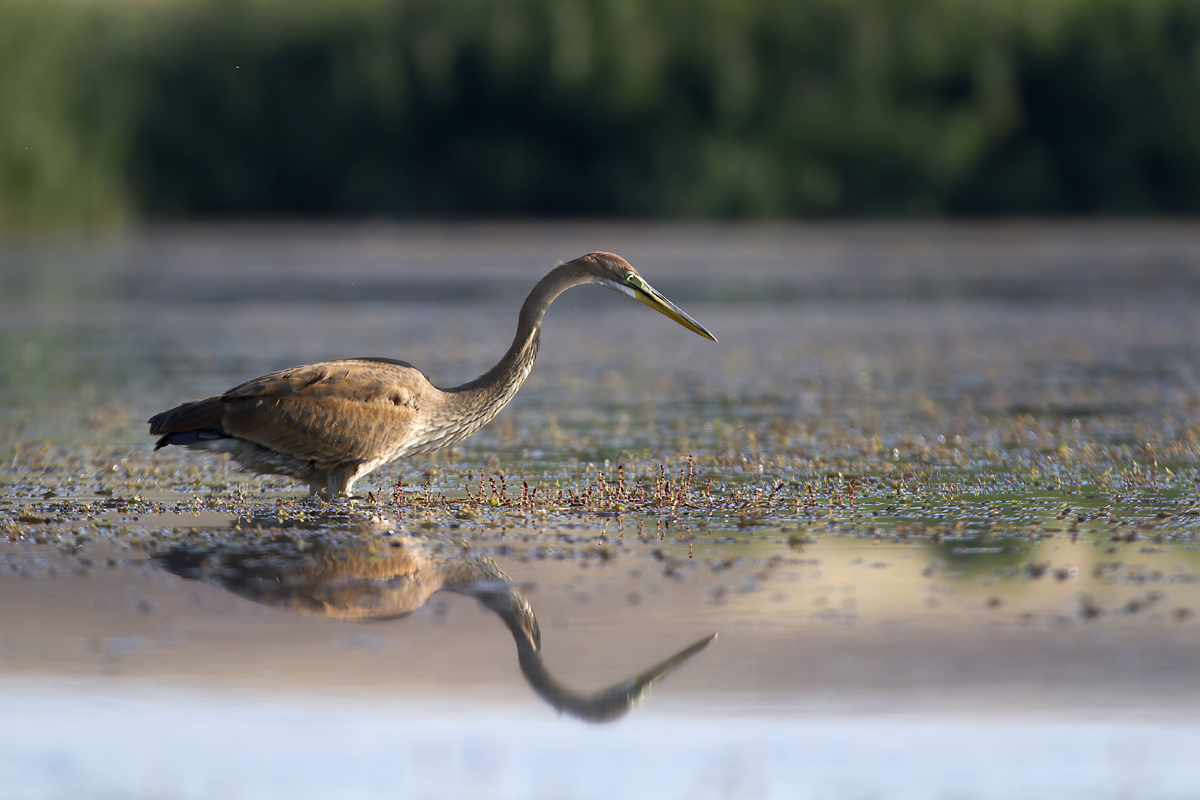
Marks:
<point>650,296</point>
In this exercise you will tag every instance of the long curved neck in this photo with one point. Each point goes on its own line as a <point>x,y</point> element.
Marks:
<point>476,402</point>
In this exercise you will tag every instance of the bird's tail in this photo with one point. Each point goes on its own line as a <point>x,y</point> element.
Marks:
<point>188,423</point>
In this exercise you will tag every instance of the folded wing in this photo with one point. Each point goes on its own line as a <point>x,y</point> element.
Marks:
<point>335,412</point>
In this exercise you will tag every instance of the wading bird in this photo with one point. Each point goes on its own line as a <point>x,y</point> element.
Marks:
<point>331,423</point>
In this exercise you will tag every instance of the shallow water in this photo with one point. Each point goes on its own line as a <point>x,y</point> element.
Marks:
<point>936,491</point>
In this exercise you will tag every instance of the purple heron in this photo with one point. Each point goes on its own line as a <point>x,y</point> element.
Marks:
<point>331,423</point>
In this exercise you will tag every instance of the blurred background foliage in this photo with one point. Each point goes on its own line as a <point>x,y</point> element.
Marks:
<point>185,109</point>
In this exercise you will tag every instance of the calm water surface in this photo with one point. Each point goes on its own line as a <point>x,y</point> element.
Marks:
<point>936,491</point>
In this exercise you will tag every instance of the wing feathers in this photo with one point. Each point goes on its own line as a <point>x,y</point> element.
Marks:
<point>332,413</point>
<point>324,430</point>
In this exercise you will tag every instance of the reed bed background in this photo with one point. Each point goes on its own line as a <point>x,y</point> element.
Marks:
<point>182,109</point>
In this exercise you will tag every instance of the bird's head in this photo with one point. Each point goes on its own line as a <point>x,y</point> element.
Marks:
<point>609,269</point>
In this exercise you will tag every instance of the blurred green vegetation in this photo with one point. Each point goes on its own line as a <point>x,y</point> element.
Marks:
<point>696,108</point>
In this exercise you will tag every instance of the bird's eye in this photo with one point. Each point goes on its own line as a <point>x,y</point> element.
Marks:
<point>635,281</point>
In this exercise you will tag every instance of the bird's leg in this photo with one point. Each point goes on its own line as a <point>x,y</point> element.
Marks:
<point>340,481</point>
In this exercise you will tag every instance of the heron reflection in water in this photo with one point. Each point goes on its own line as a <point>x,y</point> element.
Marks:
<point>330,424</point>
<point>386,577</point>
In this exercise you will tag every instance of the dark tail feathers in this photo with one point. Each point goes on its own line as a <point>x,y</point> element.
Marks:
<point>190,437</point>
<point>189,423</point>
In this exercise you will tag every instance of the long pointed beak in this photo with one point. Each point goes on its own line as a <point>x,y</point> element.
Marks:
<point>651,297</point>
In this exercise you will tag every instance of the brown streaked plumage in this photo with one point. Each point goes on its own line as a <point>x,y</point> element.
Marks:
<point>331,423</point>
